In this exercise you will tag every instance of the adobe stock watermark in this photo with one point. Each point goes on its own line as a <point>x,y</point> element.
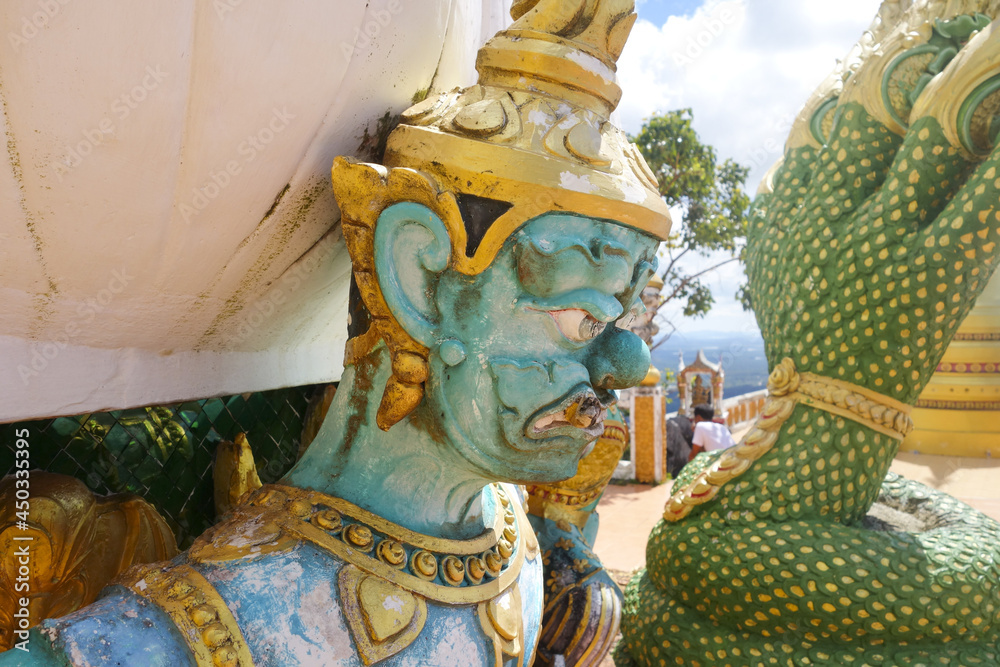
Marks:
<point>737,349</point>
<point>121,108</point>
<point>716,17</point>
<point>32,25</point>
<point>363,35</point>
<point>772,148</point>
<point>42,354</point>
<point>247,151</point>
<point>263,308</point>
<point>20,554</point>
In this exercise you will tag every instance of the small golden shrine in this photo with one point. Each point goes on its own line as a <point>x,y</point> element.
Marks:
<point>691,384</point>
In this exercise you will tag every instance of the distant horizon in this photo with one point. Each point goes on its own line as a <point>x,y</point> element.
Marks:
<point>742,353</point>
<point>718,333</point>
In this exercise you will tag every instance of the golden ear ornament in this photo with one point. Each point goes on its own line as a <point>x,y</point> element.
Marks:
<point>363,191</point>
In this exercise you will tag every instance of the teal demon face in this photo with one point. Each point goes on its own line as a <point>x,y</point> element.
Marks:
<point>544,345</point>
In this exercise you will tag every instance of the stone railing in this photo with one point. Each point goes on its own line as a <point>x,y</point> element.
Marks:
<point>741,410</point>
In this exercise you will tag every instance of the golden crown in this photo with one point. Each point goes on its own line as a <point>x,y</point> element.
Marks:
<point>533,136</point>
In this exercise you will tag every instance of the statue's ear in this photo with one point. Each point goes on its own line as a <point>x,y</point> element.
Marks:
<point>412,248</point>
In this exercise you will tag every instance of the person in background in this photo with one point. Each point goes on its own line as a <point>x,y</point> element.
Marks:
<point>708,435</point>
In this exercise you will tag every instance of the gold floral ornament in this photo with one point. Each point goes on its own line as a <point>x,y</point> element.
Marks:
<point>784,379</point>
<point>78,543</point>
<point>530,138</point>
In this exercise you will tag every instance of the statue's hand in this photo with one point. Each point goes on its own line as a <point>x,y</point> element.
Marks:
<point>582,603</point>
<point>868,252</point>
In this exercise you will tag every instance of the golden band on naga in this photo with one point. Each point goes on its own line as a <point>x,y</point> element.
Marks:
<point>788,388</point>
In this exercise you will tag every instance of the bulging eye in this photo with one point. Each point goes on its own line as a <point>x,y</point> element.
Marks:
<point>577,325</point>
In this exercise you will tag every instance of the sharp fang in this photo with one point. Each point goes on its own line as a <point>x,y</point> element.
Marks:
<point>549,421</point>
<point>581,421</point>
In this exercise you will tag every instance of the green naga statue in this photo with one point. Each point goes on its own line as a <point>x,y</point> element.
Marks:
<point>510,229</point>
<point>869,244</point>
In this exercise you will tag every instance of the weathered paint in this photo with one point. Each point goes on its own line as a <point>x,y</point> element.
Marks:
<point>126,205</point>
<point>119,629</point>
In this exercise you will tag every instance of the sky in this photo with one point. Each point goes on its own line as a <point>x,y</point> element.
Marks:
<point>745,68</point>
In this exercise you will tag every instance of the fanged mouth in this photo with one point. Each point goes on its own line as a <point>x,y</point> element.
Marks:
<point>582,410</point>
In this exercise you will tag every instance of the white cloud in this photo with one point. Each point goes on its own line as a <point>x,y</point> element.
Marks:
<point>744,67</point>
<point>727,313</point>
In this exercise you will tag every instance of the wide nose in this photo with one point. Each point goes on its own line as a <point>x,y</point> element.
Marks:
<point>618,359</point>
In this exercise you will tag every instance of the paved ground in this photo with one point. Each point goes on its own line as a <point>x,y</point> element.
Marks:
<point>629,512</point>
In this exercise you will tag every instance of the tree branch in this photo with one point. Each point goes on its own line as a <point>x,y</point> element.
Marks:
<point>673,261</point>
<point>664,339</point>
<point>687,280</point>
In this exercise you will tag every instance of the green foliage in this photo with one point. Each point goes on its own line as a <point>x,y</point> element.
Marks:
<point>743,296</point>
<point>708,191</point>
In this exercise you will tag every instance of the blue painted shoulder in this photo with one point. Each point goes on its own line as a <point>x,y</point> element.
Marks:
<point>119,629</point>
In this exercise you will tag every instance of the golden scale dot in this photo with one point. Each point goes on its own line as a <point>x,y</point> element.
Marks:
<point>359,536</point>
<point>391,553</point>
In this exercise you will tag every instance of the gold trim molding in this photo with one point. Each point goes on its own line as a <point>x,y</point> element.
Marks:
<point>959,405</point>
<point>502,621</point>
<point>201,615</point>
<point>788,388</point>
<point>977,337</point>
<point>447,571</point>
